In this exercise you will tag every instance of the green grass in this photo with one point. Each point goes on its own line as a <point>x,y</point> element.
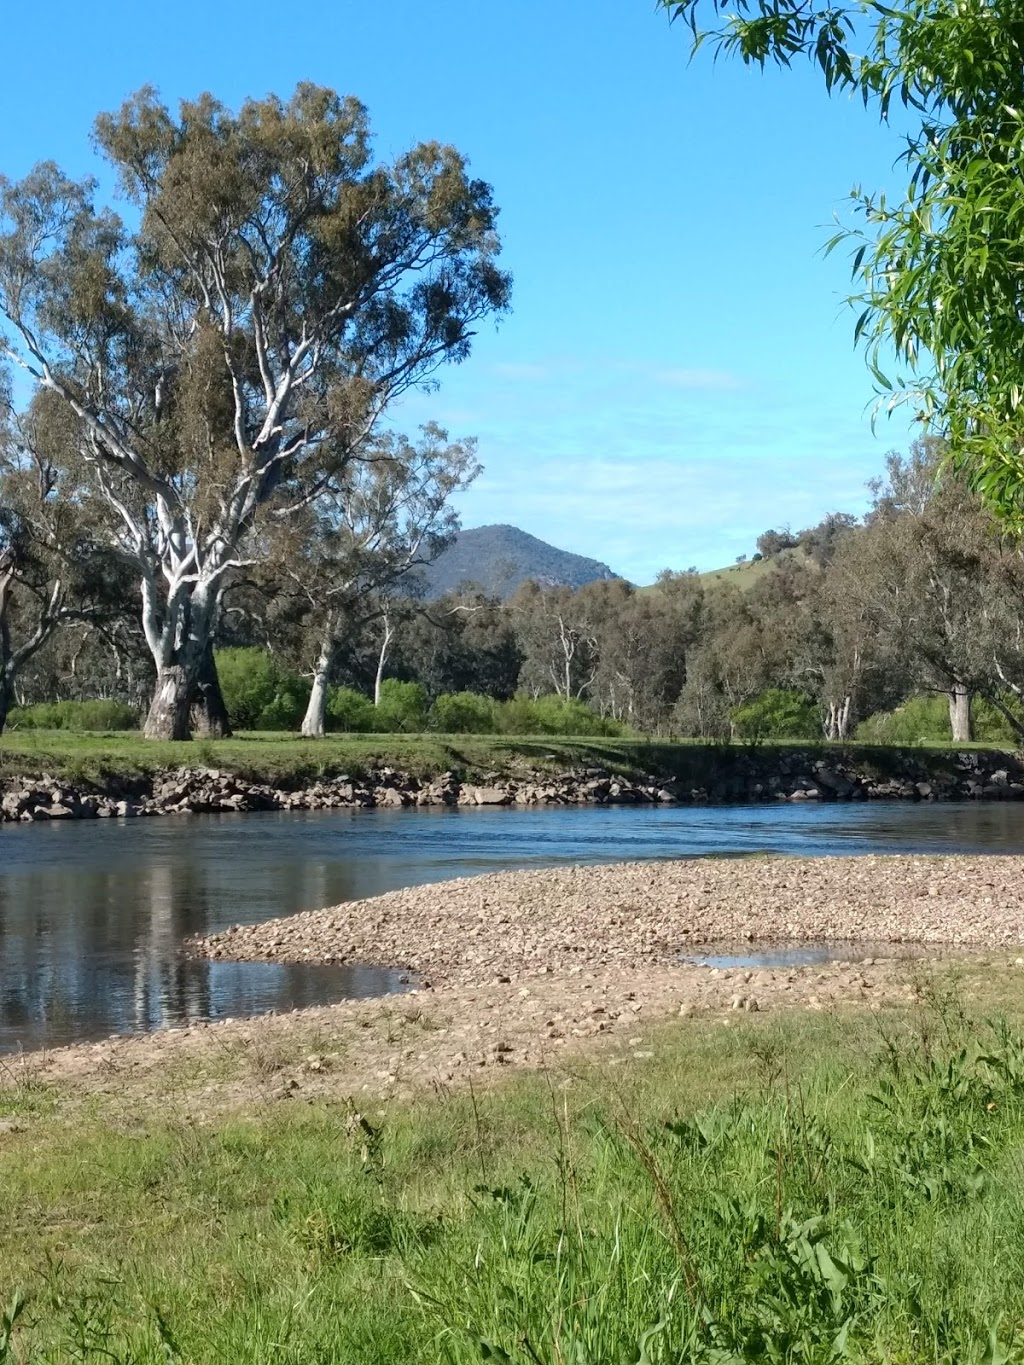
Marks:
<point>742,576</point>
<point>745,575</point>
<point>274,756</point>
<point>290,759</point>
<point>804,1189</point>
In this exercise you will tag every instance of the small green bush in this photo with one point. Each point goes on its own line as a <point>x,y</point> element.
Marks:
<point>990,725</point>
<point>925,719</point>
<point>288,705</point>
<point>350,711</point>
<point>918,720</point>
<point>462,713</point>
<point>402,707</point>
<point>258,693</point>
<point>778,713</point>
<point>248,683</point>
<point>74,715</point>
<point>553,715</point>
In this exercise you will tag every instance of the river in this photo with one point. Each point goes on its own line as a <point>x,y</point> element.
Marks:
<point>93,913</point>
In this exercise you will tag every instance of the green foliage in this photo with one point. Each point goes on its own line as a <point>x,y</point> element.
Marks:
<point>990,725</point>
<point>74,715</point>
<point>462,713</point>
<point>402,708</point>
<point>350,711</point>
<point>925,720</point>
<point>470,713</point>
<point>810,1191</point>
<point>553,715</point>
<point>920,720</point>
<point>258,694</point>
<point>248,683</point>
<point>778,713</point>
<point>287,706</point>
<point>938,270</point>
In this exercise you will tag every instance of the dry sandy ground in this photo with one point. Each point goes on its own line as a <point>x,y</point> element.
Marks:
<point>526,969</point>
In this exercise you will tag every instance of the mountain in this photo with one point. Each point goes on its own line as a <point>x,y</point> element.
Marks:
<point>499,559</point>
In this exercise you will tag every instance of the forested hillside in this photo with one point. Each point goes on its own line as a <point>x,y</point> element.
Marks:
<point>500,559</point>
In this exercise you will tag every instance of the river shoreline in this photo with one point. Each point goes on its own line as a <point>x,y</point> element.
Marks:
<point>523,969</point>
<point>682,774</point>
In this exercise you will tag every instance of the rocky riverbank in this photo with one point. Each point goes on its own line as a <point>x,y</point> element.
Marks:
<point>699,775</point>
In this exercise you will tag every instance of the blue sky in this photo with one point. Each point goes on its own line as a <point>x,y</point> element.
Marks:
<point>677,373</point>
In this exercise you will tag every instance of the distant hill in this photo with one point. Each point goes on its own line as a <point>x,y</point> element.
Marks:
<point>499,559</point>
<point>751,571</point>
<point>745,575</point>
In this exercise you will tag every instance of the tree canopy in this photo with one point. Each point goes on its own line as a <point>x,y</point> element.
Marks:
<point>227,353</point>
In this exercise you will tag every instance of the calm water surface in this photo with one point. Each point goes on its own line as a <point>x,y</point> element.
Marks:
<point>93,913</point>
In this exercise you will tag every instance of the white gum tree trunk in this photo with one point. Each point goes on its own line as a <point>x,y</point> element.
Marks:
<point>313,721</point>
<point>960,713</point>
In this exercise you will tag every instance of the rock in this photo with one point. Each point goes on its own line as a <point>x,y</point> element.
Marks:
<point>833,782</point>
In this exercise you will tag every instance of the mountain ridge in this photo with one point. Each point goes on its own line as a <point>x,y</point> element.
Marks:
<point>500,558</point>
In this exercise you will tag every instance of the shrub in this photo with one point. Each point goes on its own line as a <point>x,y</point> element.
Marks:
<point>462,713</point>
<point>349,710</point>
<point>917,721</point>
<point>258,693</point>
<point>403,707</point>
<point>288,705</point>
<point>248,682</point>
<point>925,719</point>
<point>991,726</point>
<point>553,715</point>
<point>778,713</point>
<point>75,715</point>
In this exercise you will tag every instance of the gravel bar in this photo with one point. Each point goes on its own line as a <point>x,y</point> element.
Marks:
<point>507,926</point>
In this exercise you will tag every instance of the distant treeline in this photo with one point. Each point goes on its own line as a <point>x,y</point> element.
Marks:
<point>905,625</point>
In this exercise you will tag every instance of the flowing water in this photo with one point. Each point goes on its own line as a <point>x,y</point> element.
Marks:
<point>93,913</point>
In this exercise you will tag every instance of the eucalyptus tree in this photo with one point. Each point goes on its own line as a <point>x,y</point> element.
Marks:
<point>51,570</point>
<point>465,641</point>
<point>642,639</point>
<point>388,512</point>
<point>939,270</point>
<point>864,665</point>
<point>558,638</point>
<point>928,575</point>
<point>727,666</point>
<point>232,348</point>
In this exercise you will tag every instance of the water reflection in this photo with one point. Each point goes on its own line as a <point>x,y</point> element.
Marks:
<point>782,955</point>
<point>92,915</point>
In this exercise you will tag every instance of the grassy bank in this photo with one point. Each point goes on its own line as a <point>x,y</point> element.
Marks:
<point>290,759</point>
<point>272,757</point>
<point>799,1189</point>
